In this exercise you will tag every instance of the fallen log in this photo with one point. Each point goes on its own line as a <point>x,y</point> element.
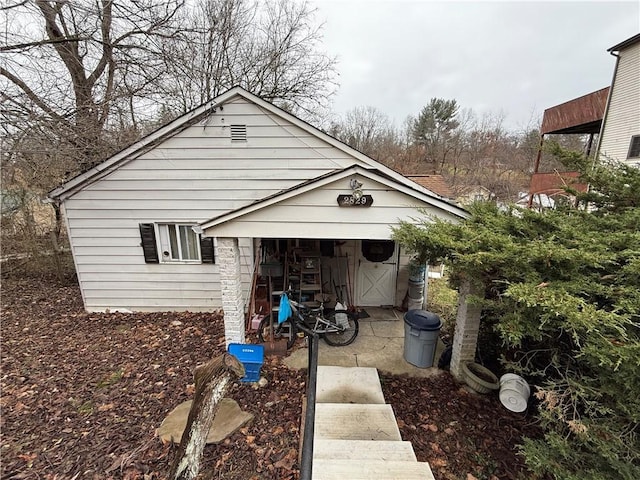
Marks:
<point>212,380</point>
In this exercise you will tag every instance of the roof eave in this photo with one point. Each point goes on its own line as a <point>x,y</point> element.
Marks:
<point>95,173</point>
<point>624,44</point>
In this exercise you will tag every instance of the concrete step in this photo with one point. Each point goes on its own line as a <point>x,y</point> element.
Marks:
<point>363,450</point>
<point>350,421</point>
<point>334,469</point>
<point>348,385</point>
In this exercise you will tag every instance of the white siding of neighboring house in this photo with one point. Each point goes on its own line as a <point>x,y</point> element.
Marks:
<point>623,115</point>
<point>194,176</point>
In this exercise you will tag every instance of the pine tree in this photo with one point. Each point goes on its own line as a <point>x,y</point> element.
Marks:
<point>562,296</point>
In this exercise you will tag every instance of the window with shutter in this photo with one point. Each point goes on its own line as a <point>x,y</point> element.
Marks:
<point>175,243</point>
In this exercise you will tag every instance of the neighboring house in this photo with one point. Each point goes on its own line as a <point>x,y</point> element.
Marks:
<point>580,116</point>
<point>620,134</point>
<point>177,220</point>
<point>476,193</point>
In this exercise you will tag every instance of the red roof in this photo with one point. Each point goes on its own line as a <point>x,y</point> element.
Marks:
<point>434,183</point>
<point>580,115</point>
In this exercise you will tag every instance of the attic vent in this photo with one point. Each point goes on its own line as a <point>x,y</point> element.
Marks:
<point>634,148</point>
<point>238,133</point>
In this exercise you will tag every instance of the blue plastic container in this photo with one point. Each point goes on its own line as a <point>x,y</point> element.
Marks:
<point>251,356</point>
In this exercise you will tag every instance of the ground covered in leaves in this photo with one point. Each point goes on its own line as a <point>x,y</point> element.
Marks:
<point>82,395</point>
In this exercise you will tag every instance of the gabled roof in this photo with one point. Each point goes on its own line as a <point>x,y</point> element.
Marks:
<point>330,177</point>
<point>172,128</point>
<point>624,44</point>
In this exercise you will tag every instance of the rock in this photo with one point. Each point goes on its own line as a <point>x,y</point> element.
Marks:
<point>228,419</point>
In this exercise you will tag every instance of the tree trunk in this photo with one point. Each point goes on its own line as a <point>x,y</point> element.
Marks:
<point>212,382</point>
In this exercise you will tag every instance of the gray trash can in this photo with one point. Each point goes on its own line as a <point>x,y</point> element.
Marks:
<point>421,332</point>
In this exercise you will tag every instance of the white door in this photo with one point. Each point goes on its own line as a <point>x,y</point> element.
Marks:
<point>376,275</point>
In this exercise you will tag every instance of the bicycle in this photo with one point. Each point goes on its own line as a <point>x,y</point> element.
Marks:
<point>337,327</point>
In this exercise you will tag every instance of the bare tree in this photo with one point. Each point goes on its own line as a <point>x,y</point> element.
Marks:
<point>271,48</point>
<point>80,80</point>
<point>70,68</point>
<point>82,70</point>
<point>368,130</point>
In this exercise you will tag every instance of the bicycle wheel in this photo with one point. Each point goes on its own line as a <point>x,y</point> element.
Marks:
<point>344,336</point>
<point>286,329</point>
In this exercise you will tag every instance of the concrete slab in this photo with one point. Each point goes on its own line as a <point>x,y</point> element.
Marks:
<point>366,329</point>
<point>346,421</point>
<point>383,350</point>
<point>359,450</point>
<point>348,385</point>
<point>388,329</point>
<point>228,419</point>
<point>336,469</point>
<point>381,314</point>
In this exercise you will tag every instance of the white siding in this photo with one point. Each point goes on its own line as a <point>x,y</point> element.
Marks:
<point>316,214</point>
<point>623,115</point>
<point>194,176</point>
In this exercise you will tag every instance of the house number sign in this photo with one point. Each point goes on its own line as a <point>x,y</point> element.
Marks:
<point>352,201</point>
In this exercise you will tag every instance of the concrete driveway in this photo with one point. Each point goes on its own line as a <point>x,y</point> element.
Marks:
<point>380,344</point>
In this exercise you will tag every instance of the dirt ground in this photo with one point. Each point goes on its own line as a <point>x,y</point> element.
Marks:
<point>82,395</point>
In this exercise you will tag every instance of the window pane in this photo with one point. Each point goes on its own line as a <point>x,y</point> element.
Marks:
<point>188,243</point>
<point>173,240</point>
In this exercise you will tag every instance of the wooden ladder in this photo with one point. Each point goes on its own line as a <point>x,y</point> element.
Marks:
<point>310,278</point>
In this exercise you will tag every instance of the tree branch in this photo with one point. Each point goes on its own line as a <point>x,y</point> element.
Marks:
<point>39,43</point>
<point>30,93</point>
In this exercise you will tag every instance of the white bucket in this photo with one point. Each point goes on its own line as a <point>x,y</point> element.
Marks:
<point>416,289</point>
<point>415,303</point>
<point>514,392</point>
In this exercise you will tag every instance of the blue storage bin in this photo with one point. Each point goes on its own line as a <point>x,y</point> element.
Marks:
<point>251,356</point>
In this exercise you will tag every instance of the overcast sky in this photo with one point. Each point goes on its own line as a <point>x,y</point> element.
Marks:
<point>514,57</point>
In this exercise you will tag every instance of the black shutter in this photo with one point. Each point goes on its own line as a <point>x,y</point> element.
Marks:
<point>206,250</point>
<point>634,147</point>
<point>148,244</point>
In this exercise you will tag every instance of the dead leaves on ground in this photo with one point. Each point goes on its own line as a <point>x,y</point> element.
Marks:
<point>457,432</point>
<point>82,395</point>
